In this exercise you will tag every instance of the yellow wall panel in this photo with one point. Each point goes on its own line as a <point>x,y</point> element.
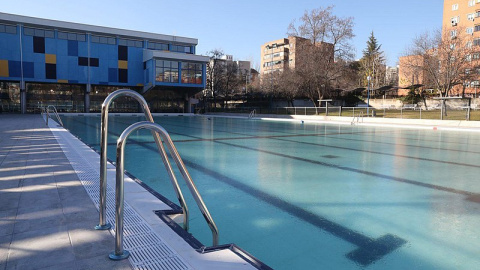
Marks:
<point>4,68</point>
<point>139,84</point>
<point>63,81</point>
<point>50,59</point>
<point>122,64</point>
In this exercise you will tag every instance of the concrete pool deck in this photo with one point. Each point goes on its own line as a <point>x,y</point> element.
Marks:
<point>48,214</point>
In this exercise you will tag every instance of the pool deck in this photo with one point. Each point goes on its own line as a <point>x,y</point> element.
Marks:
<point>48,214</point>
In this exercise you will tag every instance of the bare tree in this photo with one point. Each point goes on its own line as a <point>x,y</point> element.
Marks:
<point>329,44</point>
<point>443,59</point>
<point>230,79</point>
<point>215,73</point>
<point>288,85</point>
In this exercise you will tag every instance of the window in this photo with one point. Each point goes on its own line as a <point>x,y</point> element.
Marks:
<point>181,48</point>
<point>9,29</point>
<point>453,33</point>
<point>104,40</point>
<point>71,36</point>
<point>38,32</point>
<point>471,16</point>
<point>477,28</point>
<point>192,73</point>
<point>470,30</point>
<point>130,43</point>
<point>455,20</point>
<point>471,3</point>
<point>157,46</point>
<point>476,56</point>
<point>455,7</point>
<point>166,71</point>
<point>476,42</point>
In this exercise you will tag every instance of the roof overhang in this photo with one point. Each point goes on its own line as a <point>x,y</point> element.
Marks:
<point>100,30</point>
<point>151,54</point>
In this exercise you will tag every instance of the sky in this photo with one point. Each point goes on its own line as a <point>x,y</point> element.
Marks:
<point>240,27</point>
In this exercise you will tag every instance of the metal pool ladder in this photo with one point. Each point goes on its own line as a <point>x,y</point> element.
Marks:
<point>357,118</point>
<point>46,111</point>
<point>252,114</point>
<point>156,130</point>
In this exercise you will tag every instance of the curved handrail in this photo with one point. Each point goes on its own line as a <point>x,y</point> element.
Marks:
<point>252,114</point>
<point>119,253</point>
<point>103,157</point>
<point>46,110</point>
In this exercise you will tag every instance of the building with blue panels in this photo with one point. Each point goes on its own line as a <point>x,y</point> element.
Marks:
<point>75,66</point>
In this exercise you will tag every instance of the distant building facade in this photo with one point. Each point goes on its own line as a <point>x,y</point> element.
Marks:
<point>75,66</point>
<point>284,53</point>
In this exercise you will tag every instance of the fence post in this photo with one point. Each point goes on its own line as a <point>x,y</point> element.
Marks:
<point>340,111</point>
<point>420,113</point>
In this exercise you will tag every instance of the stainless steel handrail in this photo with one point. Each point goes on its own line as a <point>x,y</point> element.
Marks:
<point>252,114</point>
<point>46,110</point>
<point>103,157</point>
<point>119,252</point>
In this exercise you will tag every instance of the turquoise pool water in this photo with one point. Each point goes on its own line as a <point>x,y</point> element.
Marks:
<point>317,196</point>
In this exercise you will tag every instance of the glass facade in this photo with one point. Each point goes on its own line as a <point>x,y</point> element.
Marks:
<point>9,97</point>
<point>166,71</point>
<point>121,104</point>
<point>65,97</point>
<point>192,73</point>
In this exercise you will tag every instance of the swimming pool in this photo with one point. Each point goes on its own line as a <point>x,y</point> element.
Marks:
<point>310,196</point>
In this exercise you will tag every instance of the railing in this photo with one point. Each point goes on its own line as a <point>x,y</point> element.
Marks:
<point>103,157</point>
<point>357,118</point>
<point>119,252</point>
<point>46,114</point>
<point>433,112</point>
<point>252,114</point>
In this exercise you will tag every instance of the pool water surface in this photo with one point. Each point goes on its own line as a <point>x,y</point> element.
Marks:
<point>311,196</point>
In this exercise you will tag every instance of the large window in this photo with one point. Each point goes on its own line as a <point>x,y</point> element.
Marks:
<point>72,36</point>
<point>9,97</point>
<point>181,48</point>
<point>166,71</point>
<point>38,32</point>
<point>104,40</point>
<point>130,43</point>
<point>9,29</point>
<point>192,73</point>
<point>157,46</point>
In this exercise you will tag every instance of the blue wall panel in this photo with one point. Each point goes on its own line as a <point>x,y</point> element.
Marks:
<point>28,70</point>
<point>50,46</point>
<point>14,68</point>
<point>82,48</point>
<point>72,48</point>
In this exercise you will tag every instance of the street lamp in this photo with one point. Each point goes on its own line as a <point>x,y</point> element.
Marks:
<point>368,95</point>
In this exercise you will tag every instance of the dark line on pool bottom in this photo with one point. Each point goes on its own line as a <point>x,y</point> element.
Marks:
<point>369,250</point>
<point>474,197</point>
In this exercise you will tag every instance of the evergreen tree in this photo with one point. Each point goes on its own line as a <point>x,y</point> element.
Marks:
<point>373,63</point>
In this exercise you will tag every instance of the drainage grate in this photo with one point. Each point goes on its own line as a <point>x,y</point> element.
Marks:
<point>147,249</point>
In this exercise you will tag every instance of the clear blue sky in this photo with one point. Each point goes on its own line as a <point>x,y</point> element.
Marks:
<point>241,27</point>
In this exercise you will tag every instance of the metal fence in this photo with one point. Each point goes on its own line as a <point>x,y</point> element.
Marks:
<point>462,113</point>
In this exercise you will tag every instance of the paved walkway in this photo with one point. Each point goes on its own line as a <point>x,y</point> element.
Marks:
<point>46,217</point>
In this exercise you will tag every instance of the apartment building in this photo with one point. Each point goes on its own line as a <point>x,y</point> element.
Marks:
<point>284,53</point>
<point>460,18</point>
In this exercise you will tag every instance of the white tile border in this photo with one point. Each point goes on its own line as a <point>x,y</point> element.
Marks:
<point>139,206</point>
